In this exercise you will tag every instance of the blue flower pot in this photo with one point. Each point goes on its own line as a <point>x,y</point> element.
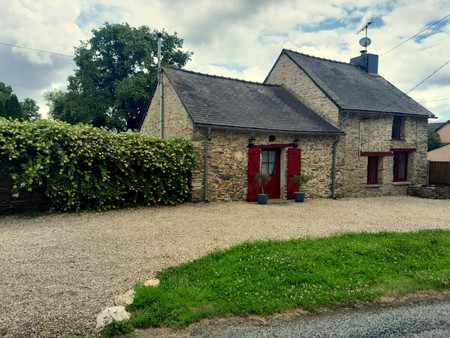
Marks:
<point>263,198</point>
<point>299,196</point>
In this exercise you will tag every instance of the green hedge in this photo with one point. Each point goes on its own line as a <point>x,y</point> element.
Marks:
<point>94,169</point>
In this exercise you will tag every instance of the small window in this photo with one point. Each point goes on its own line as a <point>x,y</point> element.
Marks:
<point>400,167</point>
<point>372,170</point>
<point>397,128</point>
<point>269,162</point>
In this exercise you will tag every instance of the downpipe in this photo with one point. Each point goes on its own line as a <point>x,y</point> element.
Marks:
<point>161,89</point>
<point>205,173</point>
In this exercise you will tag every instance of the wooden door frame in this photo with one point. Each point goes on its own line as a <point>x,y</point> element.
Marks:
<point>273,195</point>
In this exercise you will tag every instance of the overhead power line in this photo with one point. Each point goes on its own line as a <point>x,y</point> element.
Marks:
<point>428,77</point>
<point>36,50</point>
<point>441,99</point>
<point>412,37</point>
<point>409,91</point>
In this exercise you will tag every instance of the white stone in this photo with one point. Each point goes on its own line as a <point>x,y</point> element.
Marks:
<point>117,313</point>
<point>152,282</point>
<point>124,299</point>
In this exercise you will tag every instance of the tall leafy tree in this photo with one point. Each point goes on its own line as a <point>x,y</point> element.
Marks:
<point>117,67</point>
<point>57,103</point>
<point>30,110</point>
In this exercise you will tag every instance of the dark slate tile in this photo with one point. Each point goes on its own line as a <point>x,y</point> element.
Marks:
<point>352,88</point>
<point>225,102</point>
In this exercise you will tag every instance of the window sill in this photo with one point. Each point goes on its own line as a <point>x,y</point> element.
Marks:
<point>373,185</point>
<point>401,183</point>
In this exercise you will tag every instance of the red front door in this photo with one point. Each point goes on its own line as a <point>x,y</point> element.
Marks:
<point>270,164</point>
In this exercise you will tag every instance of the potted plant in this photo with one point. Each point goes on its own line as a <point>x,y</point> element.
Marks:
<point>300,179</point>
<point>262,180</point>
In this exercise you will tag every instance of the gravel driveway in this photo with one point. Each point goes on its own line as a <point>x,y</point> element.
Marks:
<point>59,271</point>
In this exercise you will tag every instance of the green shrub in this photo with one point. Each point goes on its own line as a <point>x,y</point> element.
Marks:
<point>117,329</point>
<point>94,169</point>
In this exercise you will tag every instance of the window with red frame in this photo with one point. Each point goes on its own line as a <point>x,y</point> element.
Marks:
<point>372,170</point>
<point>397,128</point>
<point>400,166</point>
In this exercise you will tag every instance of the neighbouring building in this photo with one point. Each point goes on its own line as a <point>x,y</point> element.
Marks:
<point>346,127</point>
<point>441,154</point>
<point>443,129</point>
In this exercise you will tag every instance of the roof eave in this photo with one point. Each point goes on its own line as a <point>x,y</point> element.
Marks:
<point>267,130</point>
<point>442,125</point>
<point>378,112</point>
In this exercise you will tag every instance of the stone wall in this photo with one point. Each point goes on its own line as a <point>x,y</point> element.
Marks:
<point>287,74</point>
<point>430,191</point>
<point>177,123</point>
<point>228,163</point>
<point>373,134</point>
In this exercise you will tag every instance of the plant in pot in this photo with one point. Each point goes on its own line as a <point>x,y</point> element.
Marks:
<point>300,179</point>
<point>262,180</point>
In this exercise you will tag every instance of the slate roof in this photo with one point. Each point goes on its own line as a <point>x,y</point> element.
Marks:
<point>353,89</point>
<point>229,103</point>
<point>435,126</point>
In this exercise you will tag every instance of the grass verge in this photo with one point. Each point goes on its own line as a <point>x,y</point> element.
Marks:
<point>275,276</point>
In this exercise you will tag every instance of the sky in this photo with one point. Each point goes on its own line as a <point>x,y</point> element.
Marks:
<point>236,38</point>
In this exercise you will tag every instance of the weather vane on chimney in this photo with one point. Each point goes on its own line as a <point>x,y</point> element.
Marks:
<point>365,42</point>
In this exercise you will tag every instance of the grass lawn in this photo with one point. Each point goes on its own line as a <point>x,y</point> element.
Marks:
<point>275,276</point>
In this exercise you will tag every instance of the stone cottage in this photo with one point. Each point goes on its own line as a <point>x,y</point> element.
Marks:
<point>342,124</point>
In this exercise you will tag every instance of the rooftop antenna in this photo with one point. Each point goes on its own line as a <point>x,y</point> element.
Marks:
<point>365,42</point>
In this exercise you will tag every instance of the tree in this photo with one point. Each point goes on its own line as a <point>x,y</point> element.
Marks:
<point>434,140</point>
<point>10,106</point>
<point>30,110</point>
<point>117,68</point>
<point>2,109</point>
<point>57,103</point>
<point>13,108</point>
<point>5,92</point>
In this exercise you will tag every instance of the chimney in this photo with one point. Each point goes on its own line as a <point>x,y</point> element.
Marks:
<point>368,62</point>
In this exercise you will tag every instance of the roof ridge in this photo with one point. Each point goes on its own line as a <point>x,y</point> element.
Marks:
<point>222,77</point>
<point>316,57</point>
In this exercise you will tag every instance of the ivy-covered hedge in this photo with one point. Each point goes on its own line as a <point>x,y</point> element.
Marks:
<point>94,169</point>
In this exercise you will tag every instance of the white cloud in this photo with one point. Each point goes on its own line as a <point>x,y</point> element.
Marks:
<point>45,25</point>
<point>242,39</point>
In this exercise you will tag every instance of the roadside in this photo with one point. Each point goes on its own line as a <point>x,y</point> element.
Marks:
<point>265,326</point>
<point>57,272</point>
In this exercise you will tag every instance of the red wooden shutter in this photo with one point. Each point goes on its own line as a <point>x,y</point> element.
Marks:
<point>294,159</point>
<point>254,155</point>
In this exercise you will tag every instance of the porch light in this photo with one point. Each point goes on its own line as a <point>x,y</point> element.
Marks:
<point>296,141</point>
<point>251,142</point>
